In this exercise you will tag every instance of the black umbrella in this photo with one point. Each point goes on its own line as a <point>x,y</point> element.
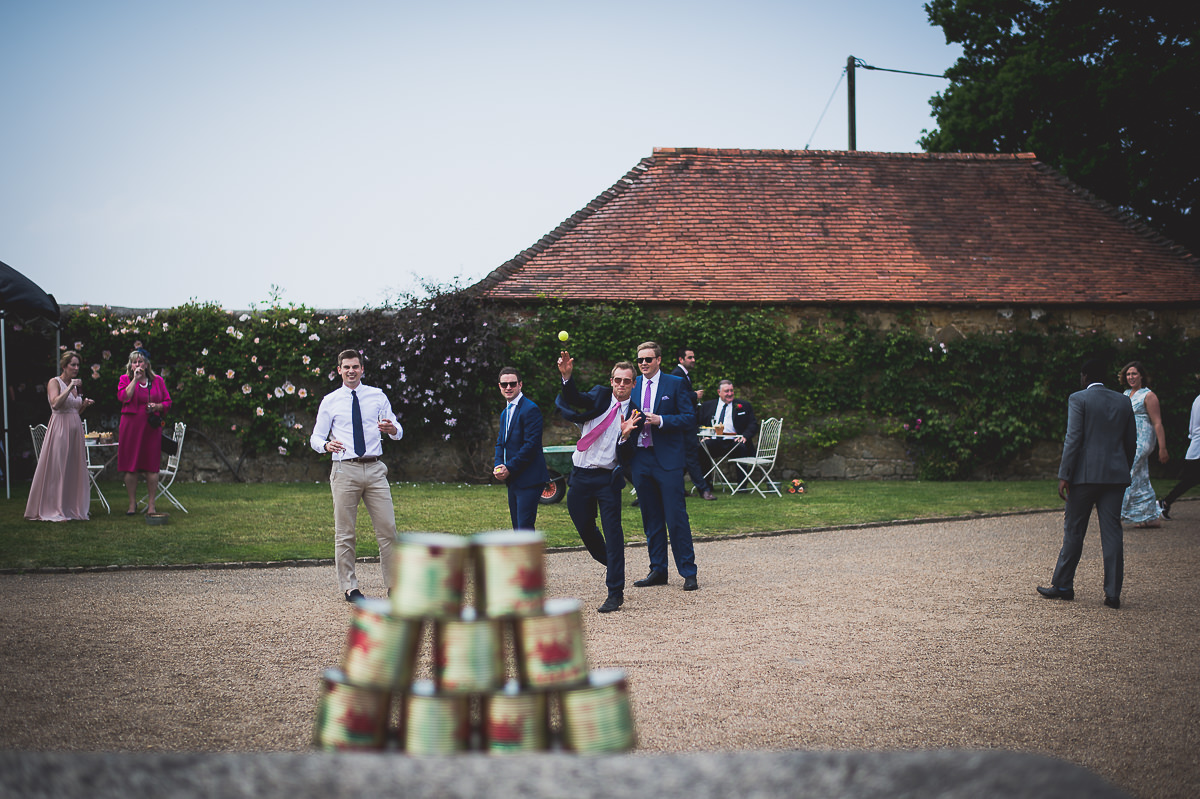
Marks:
<point>22,298</point>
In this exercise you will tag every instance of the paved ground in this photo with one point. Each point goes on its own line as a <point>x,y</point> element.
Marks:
<point>902,637</point>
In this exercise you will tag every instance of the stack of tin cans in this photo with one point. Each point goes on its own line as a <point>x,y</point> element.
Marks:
<point>509,667</point>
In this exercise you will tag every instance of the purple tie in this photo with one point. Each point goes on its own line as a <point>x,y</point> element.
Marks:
<point>597,431</point>
<point>645,440</point>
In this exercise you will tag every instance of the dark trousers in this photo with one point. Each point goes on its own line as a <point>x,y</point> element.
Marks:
<point>661,500</point>
<point>523,505</point>
<point>1189,478</point>
<point>595,491</point>
<point>1106,499</point>
<point>691,450</point>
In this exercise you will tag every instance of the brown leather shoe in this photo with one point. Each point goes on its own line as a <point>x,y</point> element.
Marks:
<point>707,495</point>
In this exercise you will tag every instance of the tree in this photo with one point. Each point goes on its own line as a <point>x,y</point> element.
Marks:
<point>1105,92</point>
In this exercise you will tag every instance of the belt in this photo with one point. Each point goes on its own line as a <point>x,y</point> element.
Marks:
<point>593,469</point>
<point>365,459</point>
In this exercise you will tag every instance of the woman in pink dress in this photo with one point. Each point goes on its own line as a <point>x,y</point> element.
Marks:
<point>144,399</point>
<point>61,491</point>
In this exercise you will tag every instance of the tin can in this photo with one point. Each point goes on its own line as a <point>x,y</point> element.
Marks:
<point>468,654</point>
<point>380,648</point>
<point>598,718</point>
<point>436,724</point>
<point>510,573</point>
<point>350,717</point>
<point>515,722</point>
<point>429,573</point>
<point>550,647</point>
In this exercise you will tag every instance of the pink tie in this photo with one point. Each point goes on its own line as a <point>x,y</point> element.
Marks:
<point>645,440</point>
<point>598,430</point>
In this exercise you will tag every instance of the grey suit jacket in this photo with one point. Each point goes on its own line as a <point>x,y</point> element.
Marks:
<point>1101,438</point>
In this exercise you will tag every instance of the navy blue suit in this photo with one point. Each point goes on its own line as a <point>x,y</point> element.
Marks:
<point>596,491</point>
<point>657,474</point>
<point>695,469</point>
<point>520,450</point>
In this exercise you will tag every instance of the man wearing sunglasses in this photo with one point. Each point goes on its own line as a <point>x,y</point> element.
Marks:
<point>658,458</point>
<point>597,476</point>
<point>520,462</point>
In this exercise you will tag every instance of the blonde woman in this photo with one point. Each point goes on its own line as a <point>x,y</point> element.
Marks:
<point>61,491</point>
<point>144,400</point>
<point>1140,506</point>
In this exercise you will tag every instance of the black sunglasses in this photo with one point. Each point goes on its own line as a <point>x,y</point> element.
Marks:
<point>504,384</point>
<point>623,381</point>
<point>647,360</point>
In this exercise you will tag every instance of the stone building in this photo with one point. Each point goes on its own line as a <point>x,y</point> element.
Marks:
<point>947,244</point>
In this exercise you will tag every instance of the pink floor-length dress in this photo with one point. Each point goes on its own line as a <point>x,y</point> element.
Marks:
<point>61,491</point>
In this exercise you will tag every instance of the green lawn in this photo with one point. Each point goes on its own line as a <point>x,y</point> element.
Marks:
<point>292,521</point>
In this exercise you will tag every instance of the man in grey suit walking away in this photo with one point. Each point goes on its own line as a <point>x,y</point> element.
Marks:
<point>1097,455</point>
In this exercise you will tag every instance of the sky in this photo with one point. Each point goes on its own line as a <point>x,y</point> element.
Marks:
<point>342,155</point>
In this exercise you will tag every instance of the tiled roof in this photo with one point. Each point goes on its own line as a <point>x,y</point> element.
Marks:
<point>786,226</point>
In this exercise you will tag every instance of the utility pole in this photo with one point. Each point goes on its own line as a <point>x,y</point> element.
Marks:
<point>851,63</point>
<point>850,60</point>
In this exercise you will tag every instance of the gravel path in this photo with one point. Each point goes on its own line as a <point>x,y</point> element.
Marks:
<point>903,637</point>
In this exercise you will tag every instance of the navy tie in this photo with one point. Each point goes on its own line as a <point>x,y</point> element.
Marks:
<point>360,441</point>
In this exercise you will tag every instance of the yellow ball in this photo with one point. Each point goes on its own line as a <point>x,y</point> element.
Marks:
<point>563,335</point>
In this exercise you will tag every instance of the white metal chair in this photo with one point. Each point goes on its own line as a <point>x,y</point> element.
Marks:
<point>763,461</point>
<point>38,432</point>
<point>93,470</point>
<point>166,475</point>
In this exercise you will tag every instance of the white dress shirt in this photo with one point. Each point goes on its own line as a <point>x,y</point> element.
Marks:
<point>602,454</point>
<point>1193,450</point>
<point>510,410</point>
<point>728,406</point>
<point>334,421</point>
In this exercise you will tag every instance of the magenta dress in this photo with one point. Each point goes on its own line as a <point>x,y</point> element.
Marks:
<point>61,491</point>
<point>139,446</point>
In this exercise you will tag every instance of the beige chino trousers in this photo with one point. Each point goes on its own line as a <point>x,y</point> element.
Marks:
<point>350,483</point>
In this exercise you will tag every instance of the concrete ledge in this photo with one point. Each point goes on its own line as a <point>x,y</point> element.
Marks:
<point>947,774</point>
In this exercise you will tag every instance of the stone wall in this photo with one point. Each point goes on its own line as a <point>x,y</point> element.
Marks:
<point>871,456</point>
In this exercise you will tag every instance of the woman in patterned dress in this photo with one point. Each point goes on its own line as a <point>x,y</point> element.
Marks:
<point>1140,506</point>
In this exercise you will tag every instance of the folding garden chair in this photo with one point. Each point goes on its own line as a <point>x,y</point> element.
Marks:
<point>166,476</point>
<point>763,461</point>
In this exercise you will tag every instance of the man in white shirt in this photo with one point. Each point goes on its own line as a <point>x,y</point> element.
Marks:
<point>348,425</point>
<point>598,477</point>
<point>1190,476</point>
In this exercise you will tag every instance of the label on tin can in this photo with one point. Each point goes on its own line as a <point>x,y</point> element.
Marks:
<point>436,724</point>
<point>516,723</point>
<point>380,648</point>
<point>429,572</point>
<point>469,655</point>
<point>599,718</point>
<point>350,717</point>
<point>551,646</point>
<point>510,572</point>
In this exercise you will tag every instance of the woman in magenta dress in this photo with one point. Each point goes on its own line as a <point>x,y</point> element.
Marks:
<point>144,399</point>
<point>61,491</point>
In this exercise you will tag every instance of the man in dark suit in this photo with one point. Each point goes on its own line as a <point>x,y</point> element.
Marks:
<point>1098,453</point>
<point>695,469</point>
<point>738,417</point>
<point>597,474</point>
<point>658,456</point>
<point>520,462</point>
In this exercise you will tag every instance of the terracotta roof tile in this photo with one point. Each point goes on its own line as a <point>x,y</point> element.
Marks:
<point>785,226</point>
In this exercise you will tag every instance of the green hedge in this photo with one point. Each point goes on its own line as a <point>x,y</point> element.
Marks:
<point>963,409</point>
